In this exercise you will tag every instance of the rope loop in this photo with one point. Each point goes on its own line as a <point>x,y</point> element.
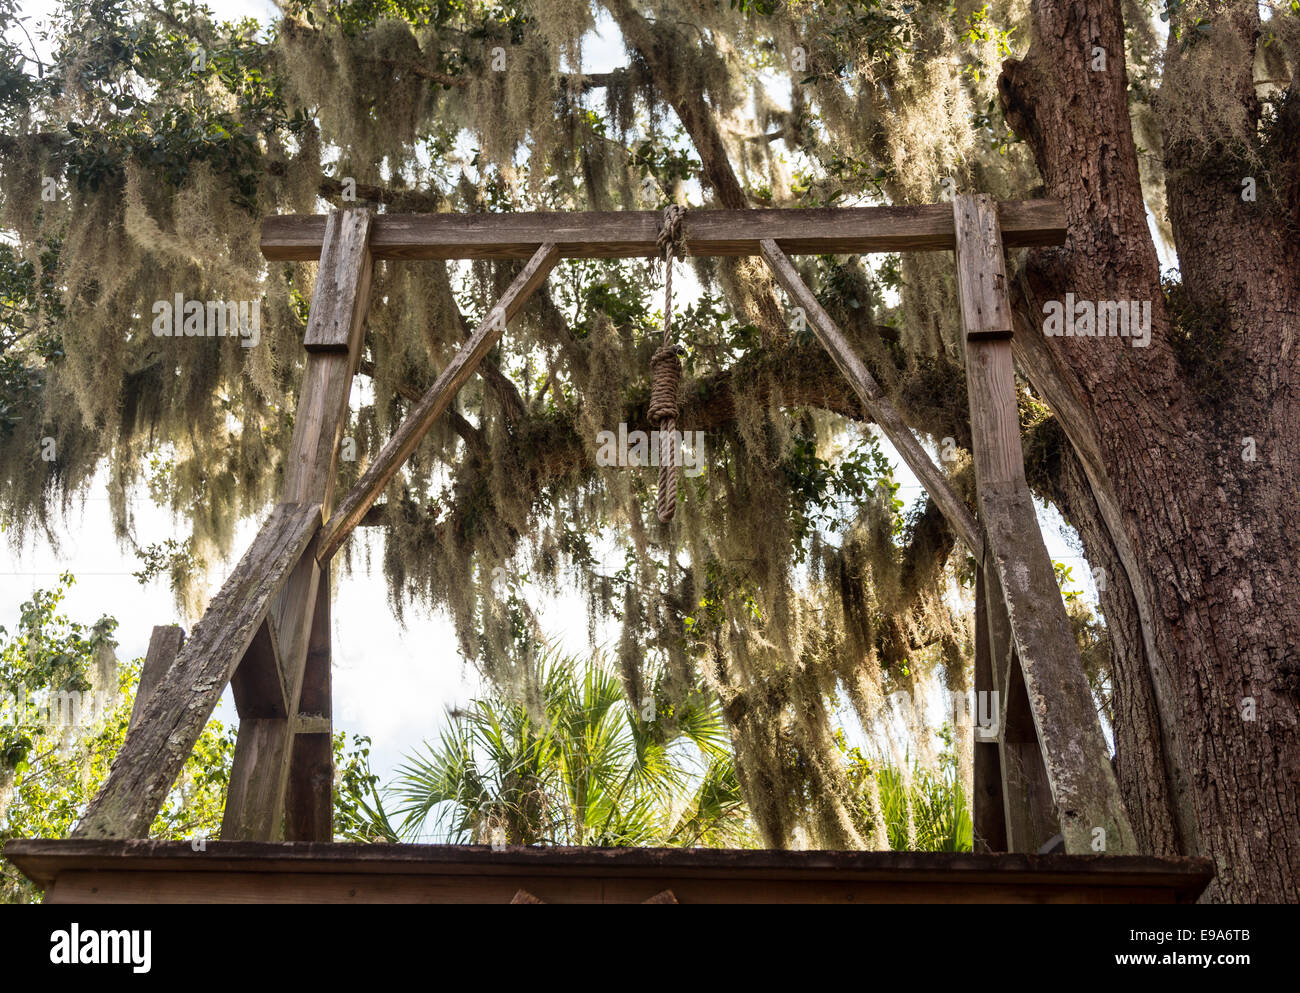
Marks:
<point>666,369</point>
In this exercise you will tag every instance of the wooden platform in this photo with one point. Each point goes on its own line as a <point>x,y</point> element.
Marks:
<point>83,871</point>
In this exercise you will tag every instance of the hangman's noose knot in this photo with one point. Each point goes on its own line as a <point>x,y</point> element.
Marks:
<point>666,368</point>
<point>670,241</point>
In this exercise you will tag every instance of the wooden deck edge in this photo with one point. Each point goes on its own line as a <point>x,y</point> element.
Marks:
<point>1111,877</point>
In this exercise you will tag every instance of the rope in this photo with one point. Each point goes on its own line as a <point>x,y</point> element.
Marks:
<point>666,369</point>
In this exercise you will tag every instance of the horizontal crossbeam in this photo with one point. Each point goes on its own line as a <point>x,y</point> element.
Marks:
<point>633,233</point>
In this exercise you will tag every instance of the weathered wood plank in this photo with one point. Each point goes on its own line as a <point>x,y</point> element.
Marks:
<point>434,402</point>
<point>988,816</point>
<point>258,682</point>
<point>308,723</point>
<point>339,307</point>
<point>1032,817</point>
<point>164,645</point>
<point>174,716</point>
<point>150,871</point>
<point>878,406</point>
<point>309,797</point>
<point>1074,752</point>
<point>1025,800</point>
<point>264,748</point>
<point>982,276</point>
<point>342,293</point>
<point>632,234</point>
<point>254,810</point>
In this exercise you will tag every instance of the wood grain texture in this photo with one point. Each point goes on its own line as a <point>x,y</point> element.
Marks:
<point>633,233</point>
<point>258,682</point>
<point>309,793</point>
<point>1025,801</point>
<point>884,413</point>
<point>318,429</point>
<point>988,816</point>
<point>174,716</point>
<point>981,269</point>
<point>1074,752</point>
<point>246,872</point>
<point>1032,817</point>
<point>259,772</point>
<point>434,402</point>
<point>164,645</point>
<point>254,798</point>
<point>342,294</point>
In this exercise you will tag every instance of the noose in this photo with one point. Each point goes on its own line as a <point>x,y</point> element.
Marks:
<point>666,369</point>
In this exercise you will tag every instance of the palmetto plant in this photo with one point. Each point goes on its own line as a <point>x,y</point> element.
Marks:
<point>939,818</point>
<point>568,760</point>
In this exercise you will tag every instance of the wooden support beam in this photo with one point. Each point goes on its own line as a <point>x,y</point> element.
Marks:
<point>342,293</point>
<point>266,756</point>
<point>1025,798</point>
<point>434,403</point>
<point>309,797</point>
<point>258,682</point>
<point>982,275</point>
<point>72,871</point>
<point>343,279</point>
<point>164,645</point>
<point>988,816</point>
<point>173,718</point>
<point>264,748</point>
<point>1031,815</point>
<point>1074,752</point>
<point>633,233</point>
<point>891,422</point>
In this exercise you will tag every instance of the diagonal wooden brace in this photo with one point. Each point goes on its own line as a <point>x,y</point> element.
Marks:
<point>434,403</point>
<point>884,413</point>
<point>164,645</point>
<point>157,745</point>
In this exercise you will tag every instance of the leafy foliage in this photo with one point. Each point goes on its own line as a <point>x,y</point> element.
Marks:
<point>573,763</point>
<point>65,704</point>
<point>66,714</point>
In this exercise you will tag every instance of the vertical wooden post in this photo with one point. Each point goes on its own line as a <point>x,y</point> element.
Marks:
<point>1073,751</point>
<point>1029,816</point>
<point>265,752</point>
<point>309,801</point>
<point>164,645</point>
<point>988,816</point>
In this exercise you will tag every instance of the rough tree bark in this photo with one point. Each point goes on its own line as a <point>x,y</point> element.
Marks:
<point>1205,541</point>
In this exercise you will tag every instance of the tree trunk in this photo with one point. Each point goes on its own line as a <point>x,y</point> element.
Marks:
<point>1206,540</point>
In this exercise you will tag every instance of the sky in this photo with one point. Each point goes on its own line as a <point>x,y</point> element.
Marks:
<point>392,683</point>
